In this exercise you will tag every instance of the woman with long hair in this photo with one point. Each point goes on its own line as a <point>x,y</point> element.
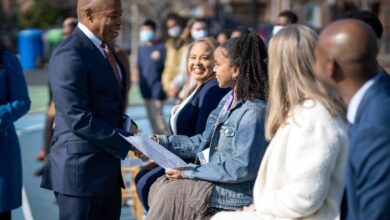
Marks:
<point>224,178</point>
<point>301,175</point>
<point>190,116</point>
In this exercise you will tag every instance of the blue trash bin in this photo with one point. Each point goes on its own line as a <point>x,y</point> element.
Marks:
<point>30,48</point>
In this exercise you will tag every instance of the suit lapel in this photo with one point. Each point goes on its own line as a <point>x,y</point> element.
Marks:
<point>101,62</point>
<point>380,83</point>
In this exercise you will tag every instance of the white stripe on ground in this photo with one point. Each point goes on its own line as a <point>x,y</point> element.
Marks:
<point>30,128</point>
<point>26,206</point>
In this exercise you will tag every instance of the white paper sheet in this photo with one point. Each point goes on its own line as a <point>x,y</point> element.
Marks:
<point>163,157</point>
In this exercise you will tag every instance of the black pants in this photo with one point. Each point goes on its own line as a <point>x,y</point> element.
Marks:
<point>89,208</point>
<point>5,215</point>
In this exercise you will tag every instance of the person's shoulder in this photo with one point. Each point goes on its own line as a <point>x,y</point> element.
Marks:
<point>210,84</point>
<point>11,62</point>
<point>377,106</point>
<point>9,57</point>
<point>255,104</point>
<point>212,90</point>
<point>376,112</point>
<point>70,45</point>
<point>313,112</point>
<point>312,108</point>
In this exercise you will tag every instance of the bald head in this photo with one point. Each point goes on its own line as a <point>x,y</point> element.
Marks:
<point>350,42</point>
<point>101,17</point>
<point>83,5</point>
<point>346,56</point>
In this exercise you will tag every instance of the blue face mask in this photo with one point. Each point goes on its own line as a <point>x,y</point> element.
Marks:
<point>146,36</point>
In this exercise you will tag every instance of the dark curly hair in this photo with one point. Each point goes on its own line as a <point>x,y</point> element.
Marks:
<point>249,54</point>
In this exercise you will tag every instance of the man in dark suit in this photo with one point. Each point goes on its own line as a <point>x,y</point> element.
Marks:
<point>88,84</point>
<point>346,63</point>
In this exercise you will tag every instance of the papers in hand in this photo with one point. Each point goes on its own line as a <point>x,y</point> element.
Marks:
<point>163,157</point>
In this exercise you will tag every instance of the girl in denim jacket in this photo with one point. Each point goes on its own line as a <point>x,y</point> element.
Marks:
<point>234,137</point>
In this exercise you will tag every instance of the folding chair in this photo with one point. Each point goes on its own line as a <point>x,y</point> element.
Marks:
<point>130,167</point>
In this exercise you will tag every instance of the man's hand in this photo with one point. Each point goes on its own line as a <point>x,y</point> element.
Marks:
<point>174,174</point>
<point>133,128</point>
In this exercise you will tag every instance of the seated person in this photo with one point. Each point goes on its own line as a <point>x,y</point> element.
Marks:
<point>190,116</point>
<point>301,175</point>
<point>234,136</point>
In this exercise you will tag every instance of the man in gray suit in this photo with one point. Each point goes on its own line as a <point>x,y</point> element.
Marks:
<point>88,84</point>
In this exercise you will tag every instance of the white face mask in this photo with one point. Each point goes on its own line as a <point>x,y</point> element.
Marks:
<point>197,34</point>
<point>174,31</point>
<point>276,29</point>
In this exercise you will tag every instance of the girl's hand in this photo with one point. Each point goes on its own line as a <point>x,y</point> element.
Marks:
<point>154,138</point>
<point>174,174</point>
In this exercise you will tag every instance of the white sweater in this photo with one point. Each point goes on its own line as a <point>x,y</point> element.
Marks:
<point>301,175</point>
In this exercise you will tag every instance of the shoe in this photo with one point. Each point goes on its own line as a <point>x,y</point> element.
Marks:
<point>41,155</point>
<point>39,172</point>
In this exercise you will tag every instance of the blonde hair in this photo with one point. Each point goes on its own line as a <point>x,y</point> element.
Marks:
<point>211,44</point>
<point>291,76</point>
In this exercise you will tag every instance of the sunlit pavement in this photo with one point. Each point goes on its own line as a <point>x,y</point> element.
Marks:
<point>39,204</point>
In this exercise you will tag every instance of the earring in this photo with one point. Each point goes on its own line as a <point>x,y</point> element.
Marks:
<point>234,77</point>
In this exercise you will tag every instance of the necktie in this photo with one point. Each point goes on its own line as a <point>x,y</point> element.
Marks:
<point>111,60</point>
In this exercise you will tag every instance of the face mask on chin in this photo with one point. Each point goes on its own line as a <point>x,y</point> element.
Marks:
<point>146,36</point>
<point>197,34</point>
<point>174,31</point>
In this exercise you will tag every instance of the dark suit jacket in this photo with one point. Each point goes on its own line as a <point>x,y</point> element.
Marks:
<point>86,147</point>
<point>193,117</point>
<point>368,167</point>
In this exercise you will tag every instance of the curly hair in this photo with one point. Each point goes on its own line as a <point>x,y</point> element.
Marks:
<point>249,54</point>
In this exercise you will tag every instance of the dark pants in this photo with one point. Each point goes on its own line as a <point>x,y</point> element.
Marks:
<point>89,208</point>
<point>144,180</point>
<point>5,215</point>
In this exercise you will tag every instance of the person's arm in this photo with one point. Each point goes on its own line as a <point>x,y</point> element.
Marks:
<point>248,146</point>
<point>19,103</point>
<point>182,146</point>
<point>311,154</point>
<point>369,158</point>
<point>69,79</point>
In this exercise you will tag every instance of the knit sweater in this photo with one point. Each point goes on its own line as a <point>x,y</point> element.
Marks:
<point>301,175</point>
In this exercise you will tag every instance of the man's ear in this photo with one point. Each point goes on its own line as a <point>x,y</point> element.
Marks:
<point>334,71</point>
<point>89,14</point>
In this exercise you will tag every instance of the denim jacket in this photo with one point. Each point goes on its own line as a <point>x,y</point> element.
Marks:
<point>237,144</point>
